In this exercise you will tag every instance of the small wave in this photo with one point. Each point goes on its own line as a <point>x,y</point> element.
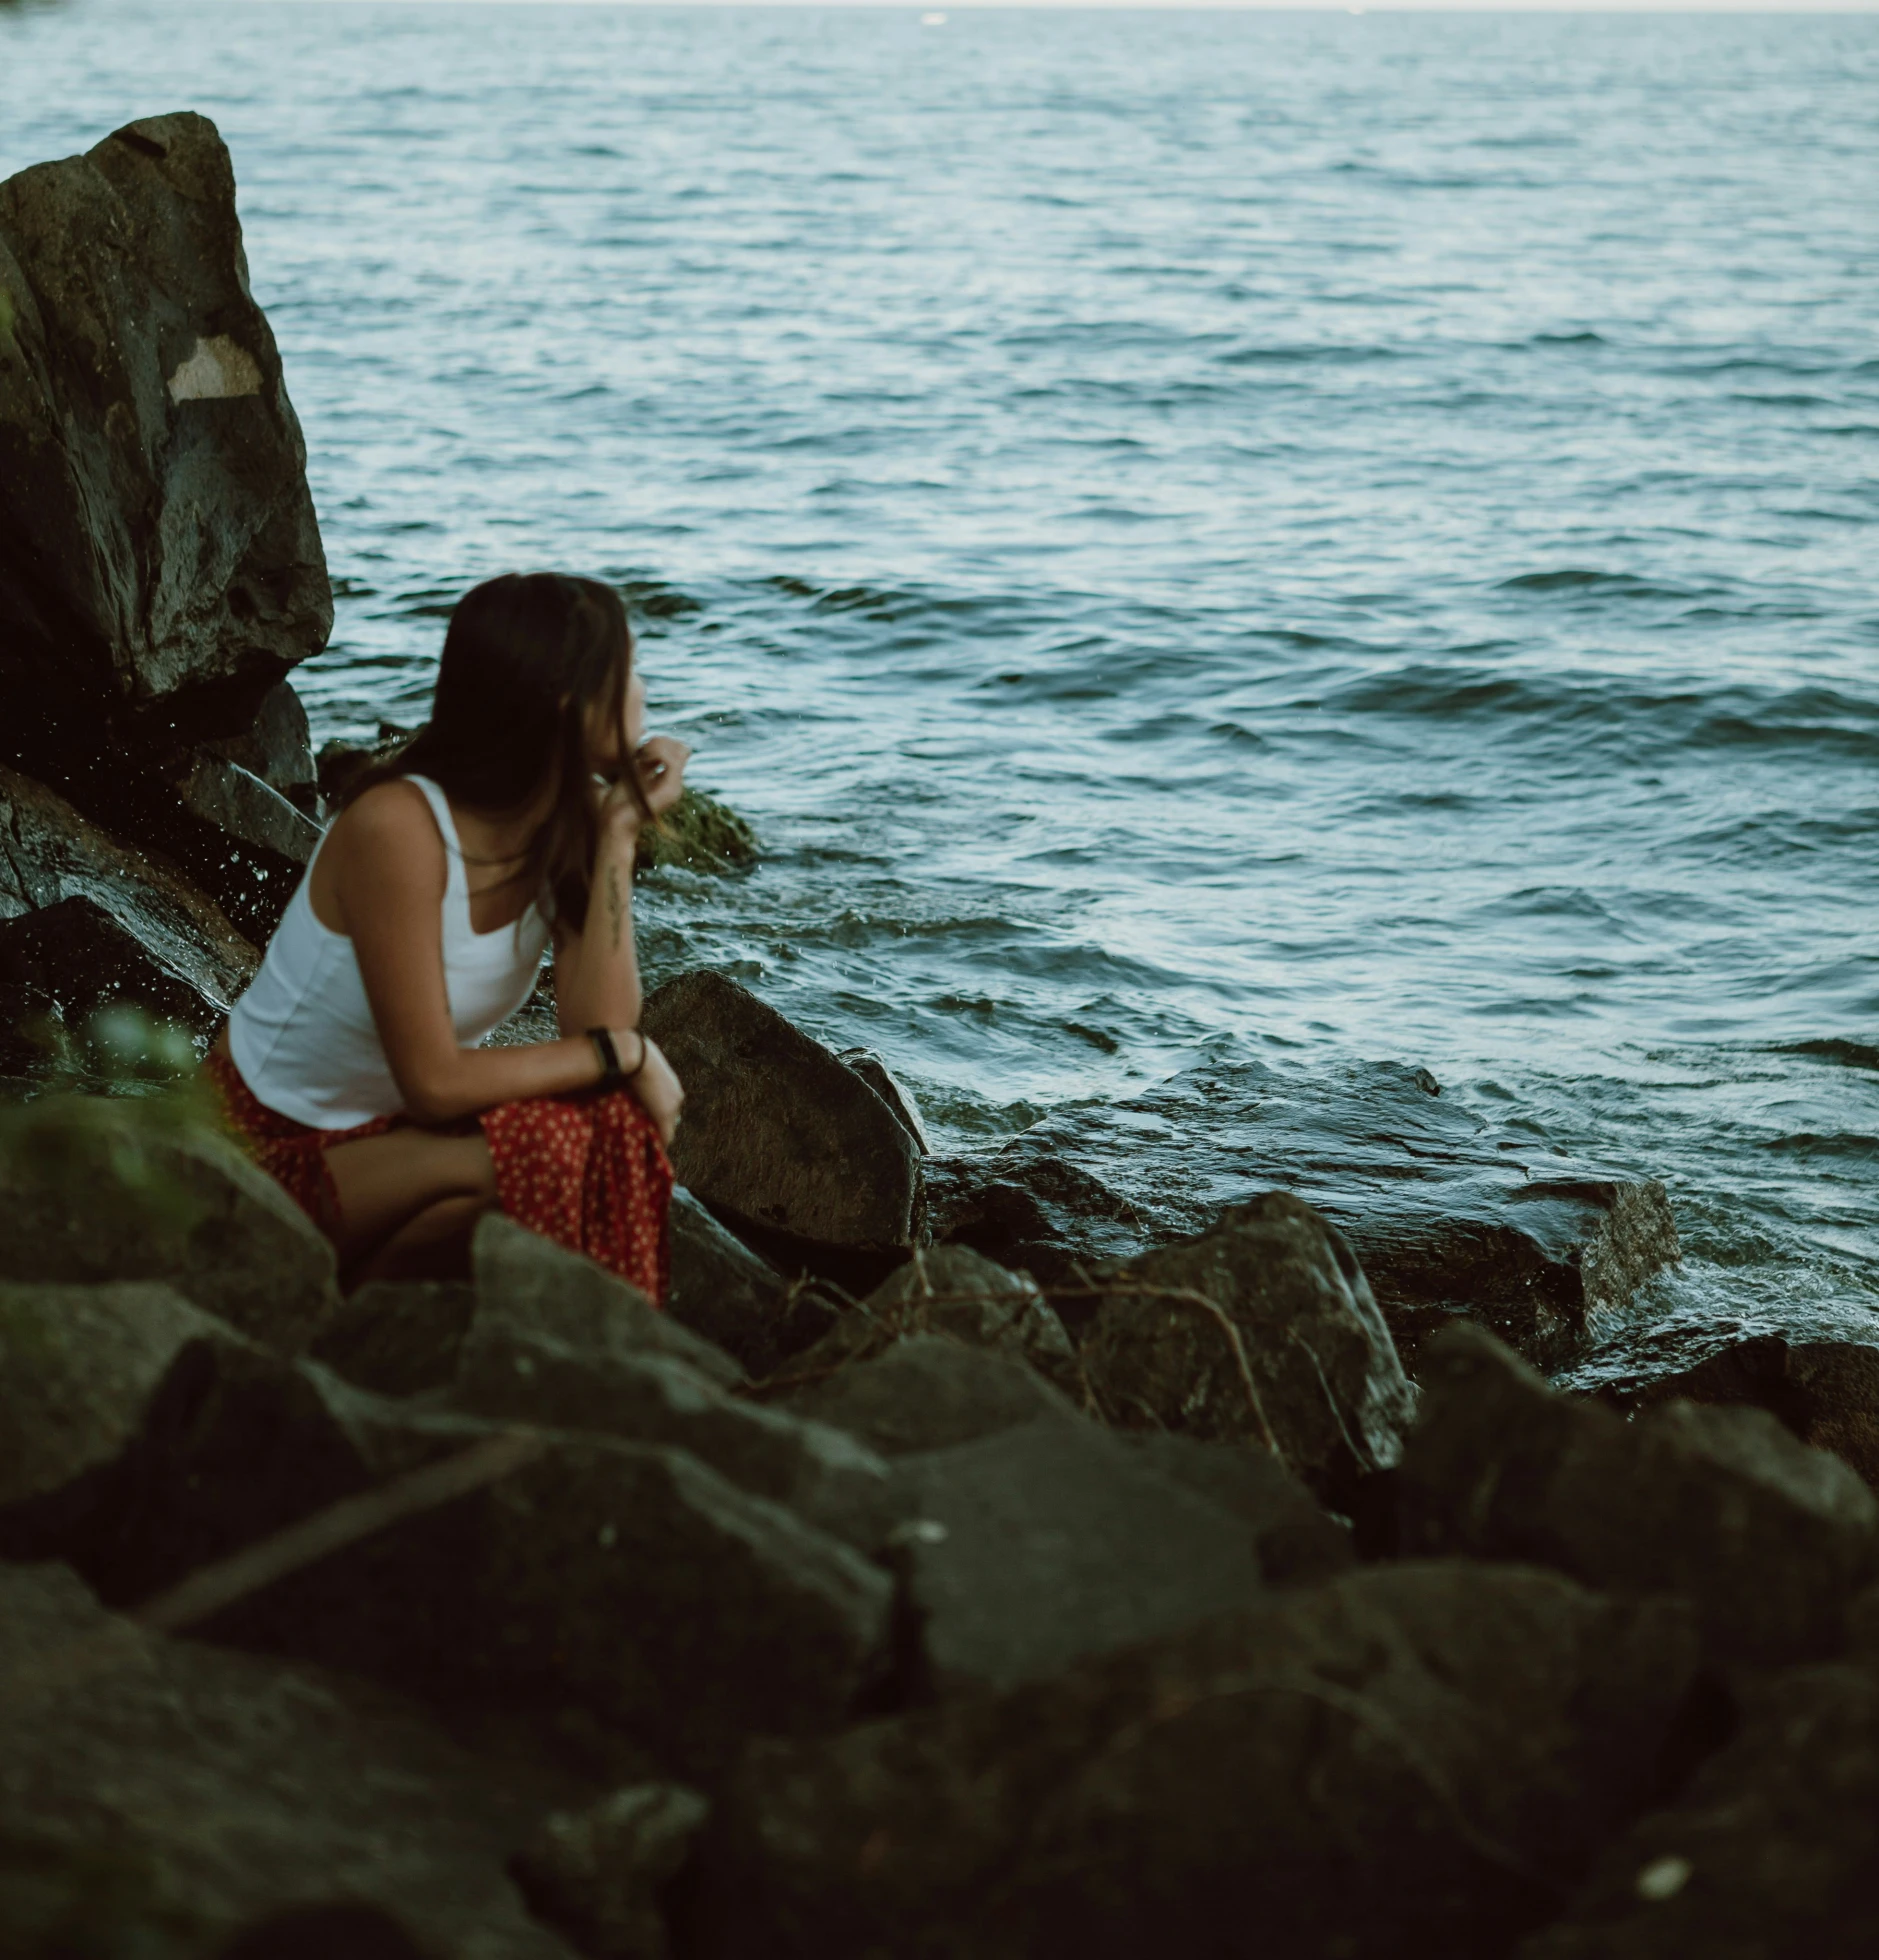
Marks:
<point>1587,579</point>
<point>1298,355</point>
<point>1785,401</point>
<point>655,599</point>
<point>426,602</point>
<point>1819,719</point>
<point>1585,339</point>
<point>1849,1054</point>
<point>1808,1143</point>
<point>877,601</point>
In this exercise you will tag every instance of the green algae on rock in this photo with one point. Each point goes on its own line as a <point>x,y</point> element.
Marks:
<point>698,834</point>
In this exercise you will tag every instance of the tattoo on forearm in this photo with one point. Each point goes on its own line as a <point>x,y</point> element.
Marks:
<point>616,904</point>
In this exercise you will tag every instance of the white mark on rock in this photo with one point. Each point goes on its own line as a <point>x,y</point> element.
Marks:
<point>218,370</point>
<point>1663,1878</point>
<point>918,1531</point>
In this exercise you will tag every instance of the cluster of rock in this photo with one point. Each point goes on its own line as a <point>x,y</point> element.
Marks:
<point>983,1558</point>
<point>516,1617</point>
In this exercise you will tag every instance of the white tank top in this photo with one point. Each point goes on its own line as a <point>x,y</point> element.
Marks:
<point>303,1036</point>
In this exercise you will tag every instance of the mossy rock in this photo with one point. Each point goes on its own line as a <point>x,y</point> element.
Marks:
<point>698,834</point>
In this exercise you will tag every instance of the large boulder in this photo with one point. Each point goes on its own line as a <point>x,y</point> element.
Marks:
<point>794,1149</point>
<point>536,1285</point>
<point>398,1337</point>
<point>1447,1214</point>
<point>93,1190</point>
<point>819,1472</point>
<point>63,965</point>
<point>1298,1543</point>
<point>1262,1330</point>
<point>243,840</point>
<point>603,1873</point>
<point>1037,1546</point>
<point>625,1588</point>
<point>1409,1759</point>
<point>957,1293</point>
<point>736,1299</point>
<point>1824,1392</point>
<point>160,565</point>
<point>1767,1854</point>
<point>926,1392</point>
<point>160,1798</point>
<point>277,746</point>
<point>122,925</point>
<point>81,1369</point>
<point>1769,1539</point>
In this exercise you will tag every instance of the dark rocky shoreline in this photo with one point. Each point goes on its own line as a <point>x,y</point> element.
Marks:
<point>1125,1538</point>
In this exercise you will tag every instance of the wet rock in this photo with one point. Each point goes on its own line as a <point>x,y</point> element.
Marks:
<point>244,841</point>
<point>1298,1543</point>
<point>699,834</point>
<point>398,1337</point>
<point>1824,1392</point>
<point>875,1072</point>
<point>927,1392</point>
<point>167,948</point>
<point>626,1589</point>
<point>1035,1212</point>
<point>277,746</point>
<point>67,962</point>
<point>1410,1759</point>
<point>601,1872</point>
<point>728,1295</point>
<point>1034,1547</point>
<point>537,1285</point>
<point>163,568</point>
<point>1263,1330</point>
<point>1446,1215</point>
<point>1766,1855</point>
<point>793,1149</point>
<point>1768,1539</point>
<point>821,1473</point>
<point>80,1368</point>
<point>94,1190</point>
<point>197,1795</point>
<point>955,1292</point>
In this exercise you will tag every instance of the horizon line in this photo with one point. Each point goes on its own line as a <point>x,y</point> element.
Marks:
<point>1684,9</point>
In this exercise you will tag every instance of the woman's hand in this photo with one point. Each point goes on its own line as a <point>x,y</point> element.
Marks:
<point>658,1090</point>
<point>660,764</point>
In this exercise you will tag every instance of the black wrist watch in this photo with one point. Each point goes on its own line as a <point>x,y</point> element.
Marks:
<point>611,1073</point>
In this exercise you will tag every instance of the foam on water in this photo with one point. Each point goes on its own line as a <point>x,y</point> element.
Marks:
<point>1339,535</point>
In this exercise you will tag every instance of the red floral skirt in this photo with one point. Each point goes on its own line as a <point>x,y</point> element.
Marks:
<point>586,1170</point>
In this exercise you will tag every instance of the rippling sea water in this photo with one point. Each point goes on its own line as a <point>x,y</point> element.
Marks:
<point>1314,534</point>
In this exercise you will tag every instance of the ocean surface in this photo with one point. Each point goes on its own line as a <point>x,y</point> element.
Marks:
<point>1300,535</point>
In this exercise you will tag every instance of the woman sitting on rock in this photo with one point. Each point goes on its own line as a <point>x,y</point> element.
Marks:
<point>352,1068</point>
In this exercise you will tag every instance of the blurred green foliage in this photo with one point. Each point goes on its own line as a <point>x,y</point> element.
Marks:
<point>104,1095</point>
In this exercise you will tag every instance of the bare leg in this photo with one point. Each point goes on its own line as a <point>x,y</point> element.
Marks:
<point>406,1195</point>
<point>433,1245</point>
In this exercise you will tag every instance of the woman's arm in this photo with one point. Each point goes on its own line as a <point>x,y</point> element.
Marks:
<point>597,968</point>
<point>386,886</point>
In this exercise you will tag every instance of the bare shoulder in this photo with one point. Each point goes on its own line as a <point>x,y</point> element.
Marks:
<point>390,830</point>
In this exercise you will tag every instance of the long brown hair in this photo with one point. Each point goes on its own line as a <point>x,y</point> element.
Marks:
<point>526,659</point>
